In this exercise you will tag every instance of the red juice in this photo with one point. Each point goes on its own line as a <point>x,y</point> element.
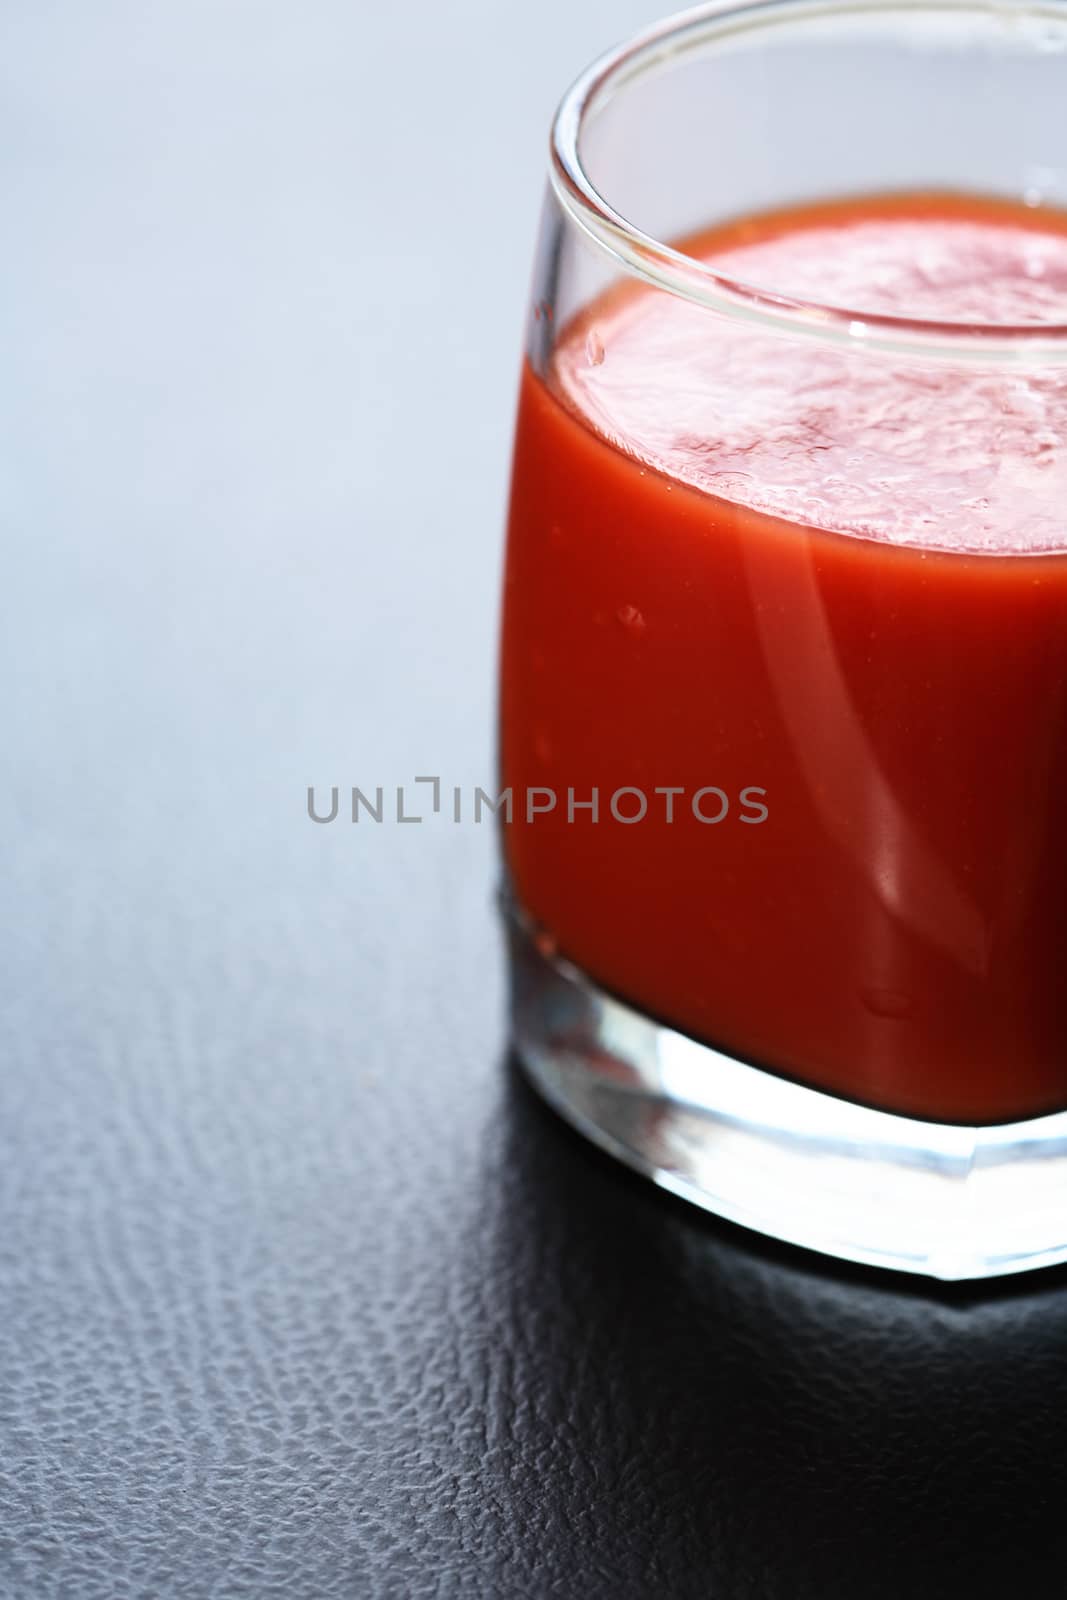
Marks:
<point>833,592</point>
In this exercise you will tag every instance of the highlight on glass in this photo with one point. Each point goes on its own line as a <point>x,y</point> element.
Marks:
<point>784,653</point>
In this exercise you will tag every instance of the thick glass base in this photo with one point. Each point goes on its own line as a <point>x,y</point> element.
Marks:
<point>951,1202</point>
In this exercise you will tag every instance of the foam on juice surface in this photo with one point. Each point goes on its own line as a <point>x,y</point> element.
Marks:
<point>958,456</point>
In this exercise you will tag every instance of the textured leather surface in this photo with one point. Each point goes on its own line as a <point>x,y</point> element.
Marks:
<point>302,1294</point>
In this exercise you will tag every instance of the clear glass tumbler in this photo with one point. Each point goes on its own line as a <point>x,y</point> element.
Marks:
<point>784,665</point>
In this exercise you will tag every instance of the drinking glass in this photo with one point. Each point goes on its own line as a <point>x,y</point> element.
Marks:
<point>783,731</point>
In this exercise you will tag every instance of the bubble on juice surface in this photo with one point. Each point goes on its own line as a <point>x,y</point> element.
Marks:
<point>893,1004</point>
<point>632,619</point>
<point>544,749</point>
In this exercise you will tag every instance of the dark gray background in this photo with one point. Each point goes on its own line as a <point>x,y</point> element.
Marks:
<point>301,1293</point>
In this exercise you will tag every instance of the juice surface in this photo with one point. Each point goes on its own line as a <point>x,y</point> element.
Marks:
<point>834,589</point>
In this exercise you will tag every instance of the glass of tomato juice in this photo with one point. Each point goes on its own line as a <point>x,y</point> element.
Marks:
<point>783,731</point>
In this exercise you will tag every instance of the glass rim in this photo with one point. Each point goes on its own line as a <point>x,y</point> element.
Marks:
<point>645,257</point>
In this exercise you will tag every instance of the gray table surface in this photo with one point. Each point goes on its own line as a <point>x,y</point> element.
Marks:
<point>264,276</point>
